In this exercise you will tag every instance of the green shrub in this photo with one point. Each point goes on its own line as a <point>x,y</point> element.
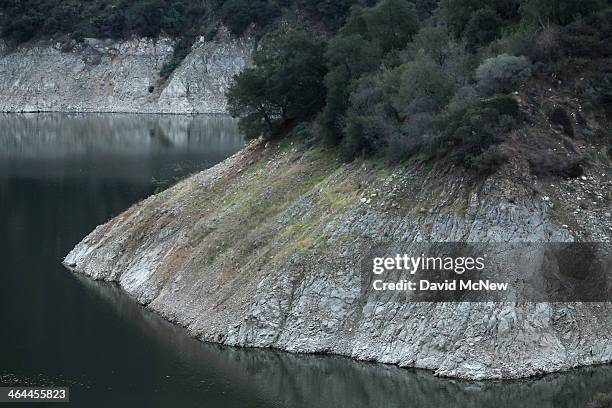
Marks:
<point>421,86</point>
<point>559,116</point>
<point>391,23</point>
<point>458,13</point>
<point>588,38</point>
<point>284,86</point>
<point>503,73</point>
<point>168,68</point>
<point>425,8</point>
<point>238,15</point>
<point>561,12</point>
<point>211,34</point>
<point>331,119</point>
<point>247,99</point>
<point>302,131</point>
<point>420,134</point>
<point>355,23</point>
<point>516,40</point>
<point>585,38</point>
<point>348,58</point>
<point>490,159</point>
<point>547,164</point>
<point>502,104</point>
<point>332,13</point>
<point>395,111</point>
<point>182,48</point>
<point>354,54</point>
<point>482,28</point>
<point>546,47</point>
<point>354,141</point>
<point>452,56</point>
<point>433,40</point>
<point>370,124</point>
<point>474,131</point>
<point>24,20</point>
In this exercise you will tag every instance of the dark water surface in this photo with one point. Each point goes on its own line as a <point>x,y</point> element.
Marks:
<point>60,176</point>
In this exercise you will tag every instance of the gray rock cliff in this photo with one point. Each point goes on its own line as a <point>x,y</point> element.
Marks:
<point>123,76</point>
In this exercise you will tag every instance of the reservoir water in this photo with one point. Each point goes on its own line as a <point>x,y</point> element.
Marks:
<point>60,176</point>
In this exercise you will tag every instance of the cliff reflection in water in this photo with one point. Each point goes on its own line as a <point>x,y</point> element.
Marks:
<point>290,380</point>
<point>30,143</point>
<point>61,175</point>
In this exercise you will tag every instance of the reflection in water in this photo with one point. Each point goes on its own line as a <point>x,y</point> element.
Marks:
<point>290,380</point>
<point>60,176</point>
<point>65,135</point>
<point>60,146</point>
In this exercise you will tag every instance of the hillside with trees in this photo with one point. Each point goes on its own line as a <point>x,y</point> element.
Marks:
<point>434,80</point>
<point>388,78</point>
<point>22,21</point>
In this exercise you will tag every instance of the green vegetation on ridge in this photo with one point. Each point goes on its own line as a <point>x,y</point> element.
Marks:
<point>396,84</point>
<point>392,78</point>
<point>184,20</point>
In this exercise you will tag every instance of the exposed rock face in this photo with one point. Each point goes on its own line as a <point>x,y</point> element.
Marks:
<point>261,251</point>
<point>108,76</point>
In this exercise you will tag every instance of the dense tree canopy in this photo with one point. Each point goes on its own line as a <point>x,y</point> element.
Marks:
<point>397,83</point>
<point>391,23</point>
<point>22,20</point>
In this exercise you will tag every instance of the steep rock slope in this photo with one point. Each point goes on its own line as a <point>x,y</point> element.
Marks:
<point>108,76</point>
<point>261,251</point>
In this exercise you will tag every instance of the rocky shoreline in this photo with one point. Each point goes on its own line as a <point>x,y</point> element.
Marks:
<point>259,251</point>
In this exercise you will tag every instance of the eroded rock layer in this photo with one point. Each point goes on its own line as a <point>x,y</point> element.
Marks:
<point>110,76</point>
<point>261,251</point>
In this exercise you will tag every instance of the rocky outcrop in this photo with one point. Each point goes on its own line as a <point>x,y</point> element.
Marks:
<point>262,251</point>
<point>110,76</point>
